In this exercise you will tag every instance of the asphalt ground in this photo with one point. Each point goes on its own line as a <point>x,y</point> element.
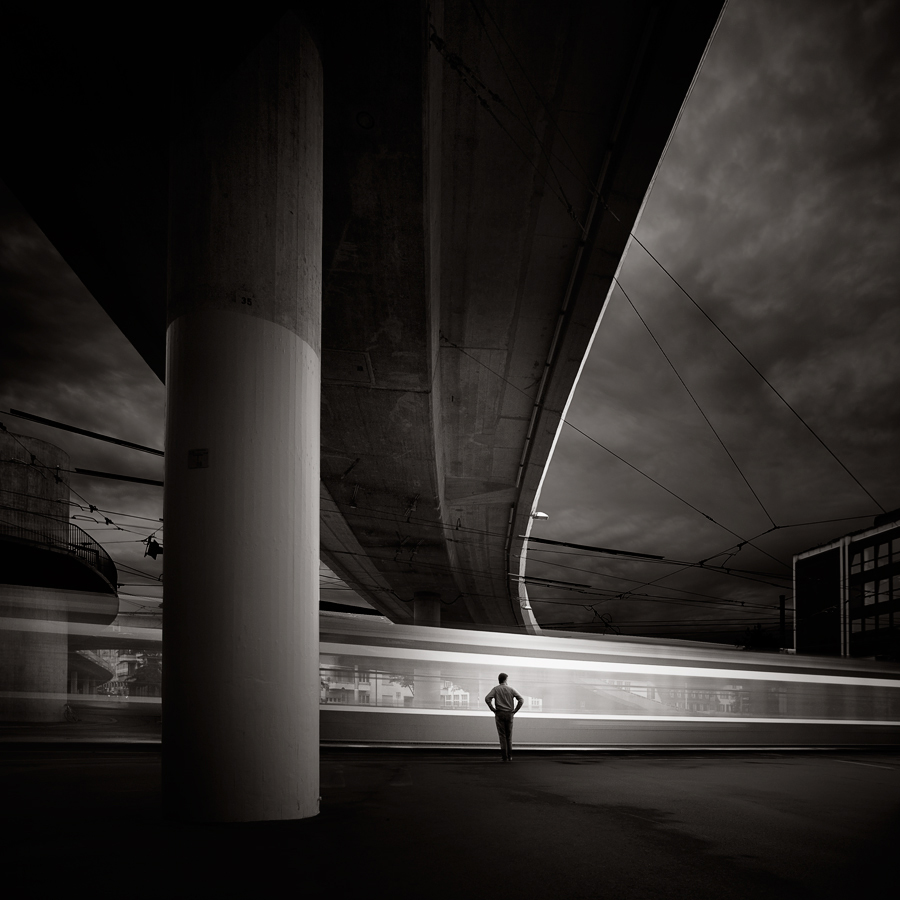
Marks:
<point>436,824</point>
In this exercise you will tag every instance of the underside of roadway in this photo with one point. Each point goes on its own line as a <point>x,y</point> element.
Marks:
<point>450,825</point>
<point>483,168</point>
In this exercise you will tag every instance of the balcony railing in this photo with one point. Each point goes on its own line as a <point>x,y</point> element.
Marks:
<point>59,536</point>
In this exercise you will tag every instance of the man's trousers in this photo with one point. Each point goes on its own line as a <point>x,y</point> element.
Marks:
<point>504,730</point>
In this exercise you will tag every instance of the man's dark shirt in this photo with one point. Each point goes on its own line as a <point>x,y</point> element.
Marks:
<point>503,696</point>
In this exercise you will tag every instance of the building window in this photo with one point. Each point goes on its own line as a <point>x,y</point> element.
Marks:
<point>869,558</point>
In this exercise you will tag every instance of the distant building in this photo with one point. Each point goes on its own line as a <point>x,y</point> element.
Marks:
<point>53,577</point>
<point>847,593</point>
<point>453,696</point>
<point>353,686</point>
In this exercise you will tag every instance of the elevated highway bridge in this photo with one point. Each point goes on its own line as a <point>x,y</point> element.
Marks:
<point>406,215</point>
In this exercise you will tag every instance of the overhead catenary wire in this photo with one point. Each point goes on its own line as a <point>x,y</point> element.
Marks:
<point>695,401</point>
<point>473,82</point>
<point>147,575</point>
<point>662,561</point>
<point>134,571</point>
<point>82,431</point>
<point>564,200</point>
<point>682,567</point>
<point>549,113</point>
<point>90,507</point>
<point>588,589</point>
<point>488,574</point>
<point>548,156</point>
<point>380,514</point>
<point>617,456</point>
<point>457,63</point>
<point>712,604</point>
<point>703,565</point>
<point>41,467</point>
<point>747,360</point>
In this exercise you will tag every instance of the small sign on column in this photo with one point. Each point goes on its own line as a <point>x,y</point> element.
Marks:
<point>198,459</point>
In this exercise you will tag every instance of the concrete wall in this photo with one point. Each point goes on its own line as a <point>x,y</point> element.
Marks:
<point>33,495</point>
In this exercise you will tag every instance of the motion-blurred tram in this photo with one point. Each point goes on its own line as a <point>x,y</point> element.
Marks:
<point>408,686</point>
<point>387,685</point>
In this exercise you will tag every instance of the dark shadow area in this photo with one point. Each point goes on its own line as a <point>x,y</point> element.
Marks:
<point>442,824</point>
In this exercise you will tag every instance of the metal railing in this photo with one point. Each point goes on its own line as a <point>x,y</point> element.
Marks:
<point>58,535</point>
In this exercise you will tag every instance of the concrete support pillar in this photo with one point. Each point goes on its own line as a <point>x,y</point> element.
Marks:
<point>427,611</point>
<point>33,656</point>
<point>241,649</point>
<point>427,608</point>
<point>427,676</point>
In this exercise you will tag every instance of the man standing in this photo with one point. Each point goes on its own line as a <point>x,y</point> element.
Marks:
<point>503,696</point>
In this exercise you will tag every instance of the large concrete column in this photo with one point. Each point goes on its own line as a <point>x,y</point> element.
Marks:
<point>427,676</point>
<point>241,649</point>
<point>427,608</point>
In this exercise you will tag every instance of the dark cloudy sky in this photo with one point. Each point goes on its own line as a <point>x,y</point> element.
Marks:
<point>777,207</point>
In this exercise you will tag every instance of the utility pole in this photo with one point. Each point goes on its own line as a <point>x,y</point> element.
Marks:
<point>781,602</point>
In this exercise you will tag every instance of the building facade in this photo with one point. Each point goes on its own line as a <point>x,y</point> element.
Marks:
<point>54,577</point>
<point>847,593</point>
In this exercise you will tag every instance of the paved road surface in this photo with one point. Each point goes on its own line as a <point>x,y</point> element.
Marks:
<point>463,825</point>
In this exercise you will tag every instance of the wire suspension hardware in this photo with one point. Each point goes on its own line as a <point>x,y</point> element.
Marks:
<point>40,468</point>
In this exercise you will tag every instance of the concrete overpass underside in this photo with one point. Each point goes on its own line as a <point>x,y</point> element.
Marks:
<point>484,164</point>
<point>478,246</point>
<point>405,215</point>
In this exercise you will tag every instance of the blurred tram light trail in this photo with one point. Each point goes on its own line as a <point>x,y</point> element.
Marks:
<point>387,685</point>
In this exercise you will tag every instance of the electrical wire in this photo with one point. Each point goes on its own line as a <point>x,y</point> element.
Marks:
<point>530,126</point>
<point>444,526</point>
<point>743,356</point>
<point>72,502</point>
<point>616,455</point>
<point>695,402</point>
<point>549,113</point>
<point>463,71</point>
<point>470,79</point>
